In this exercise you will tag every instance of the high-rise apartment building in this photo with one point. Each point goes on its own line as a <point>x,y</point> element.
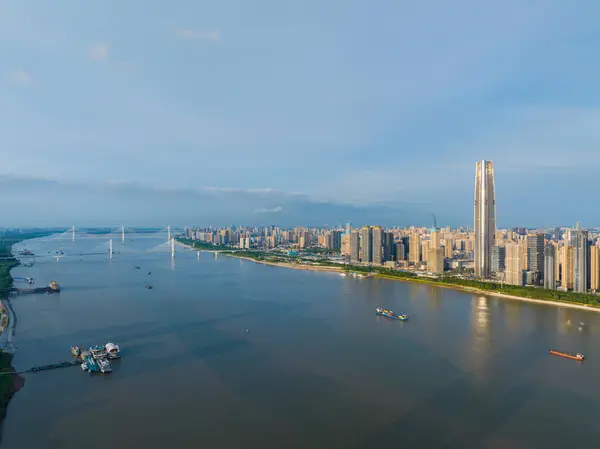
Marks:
<point>550,267</point>
<point>485,218</point>
<point>366,244</point>
<point>354,246</point>
<point>334,240</point>
<point>535,257</point>
<point>448,247</point>
<point>435,239</point>
<point>425,251</point>
<point>579,240</point>
<point>345,248</point>
<point>305,239</point>
<point>389,250</point>
<point>498,259</point>
<point>414,249</point>
<point>595,268</point>
<point>378,240</point>
<point>567,272</point>
<point>514,264</point>
<point>400,252</point>
<point>435,260</point>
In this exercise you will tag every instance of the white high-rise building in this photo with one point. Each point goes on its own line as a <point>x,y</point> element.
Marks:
<point>485,217</point>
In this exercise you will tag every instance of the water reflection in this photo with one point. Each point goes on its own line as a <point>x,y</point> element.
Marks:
<point>563,323</point>
<point>434,294</point>
<point>512,311</point>
<point>373,286</point>
<point>413,291</point>
<point>480,338</point>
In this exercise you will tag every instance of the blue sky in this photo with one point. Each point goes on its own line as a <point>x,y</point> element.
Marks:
<point>279,109</point>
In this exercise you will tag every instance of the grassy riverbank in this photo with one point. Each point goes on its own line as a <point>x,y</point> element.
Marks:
<point>535,294</point>
<point>9,385</point>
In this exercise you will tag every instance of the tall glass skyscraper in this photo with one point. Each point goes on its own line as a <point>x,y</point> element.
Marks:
<point>579,240</point>
<point>485,217</point>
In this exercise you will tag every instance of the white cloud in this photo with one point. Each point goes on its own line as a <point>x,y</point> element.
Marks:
<point>21,77</point>
<point>187,33</point>
<point>98,52</point>
<point>269,211</point>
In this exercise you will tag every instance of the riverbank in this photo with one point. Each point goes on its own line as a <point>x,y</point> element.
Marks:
<point>569,304</point>
<point>592,306</point>
<point>295,266</point>
<point>9,384</point>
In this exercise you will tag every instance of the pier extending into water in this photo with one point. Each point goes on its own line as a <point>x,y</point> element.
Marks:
<point>27,291</point>
<point>35,369</point>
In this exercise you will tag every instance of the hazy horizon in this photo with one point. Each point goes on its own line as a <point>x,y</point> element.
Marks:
<point>310,113</point>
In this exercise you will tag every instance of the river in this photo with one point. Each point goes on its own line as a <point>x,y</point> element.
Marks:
<point>316,367</point>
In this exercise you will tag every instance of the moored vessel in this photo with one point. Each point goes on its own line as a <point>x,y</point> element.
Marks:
<point>76,351</point>
<point>579,357</point>
<point>104,366</point>
<point>98,352</point>
<point>90,365</point>
<point>113,351</point>
<point>390,314</point>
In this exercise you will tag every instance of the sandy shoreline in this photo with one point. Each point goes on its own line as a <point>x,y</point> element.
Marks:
<point>432,283</point>
<point>290,265</point>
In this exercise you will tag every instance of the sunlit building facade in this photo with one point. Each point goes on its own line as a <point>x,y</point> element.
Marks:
<point>485,218</point>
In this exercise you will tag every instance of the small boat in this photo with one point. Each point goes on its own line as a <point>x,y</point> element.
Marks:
<point>148,286</point>
<point>137,268</point>
<point>389,314</point>
<point>98,352</point>
<point>76,351</point>
<point>112,350</point>
<point>579,357</point>
<point>343,275</point>
<point>149,273</point>
<point>104,366</point>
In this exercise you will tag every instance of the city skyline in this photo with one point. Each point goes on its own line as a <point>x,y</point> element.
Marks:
<point>335,108</point>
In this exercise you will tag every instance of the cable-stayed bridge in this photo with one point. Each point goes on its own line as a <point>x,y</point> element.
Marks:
<point>113,240</point>
<point>123,232</point>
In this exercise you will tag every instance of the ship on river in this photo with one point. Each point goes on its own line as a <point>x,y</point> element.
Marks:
<point>390,314</point>
<point>579,357</point>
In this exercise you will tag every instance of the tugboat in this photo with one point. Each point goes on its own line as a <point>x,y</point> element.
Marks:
<point>54,286</point>
<point>389,314</point>
<point>578,357</point>
<point>76,351</point>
